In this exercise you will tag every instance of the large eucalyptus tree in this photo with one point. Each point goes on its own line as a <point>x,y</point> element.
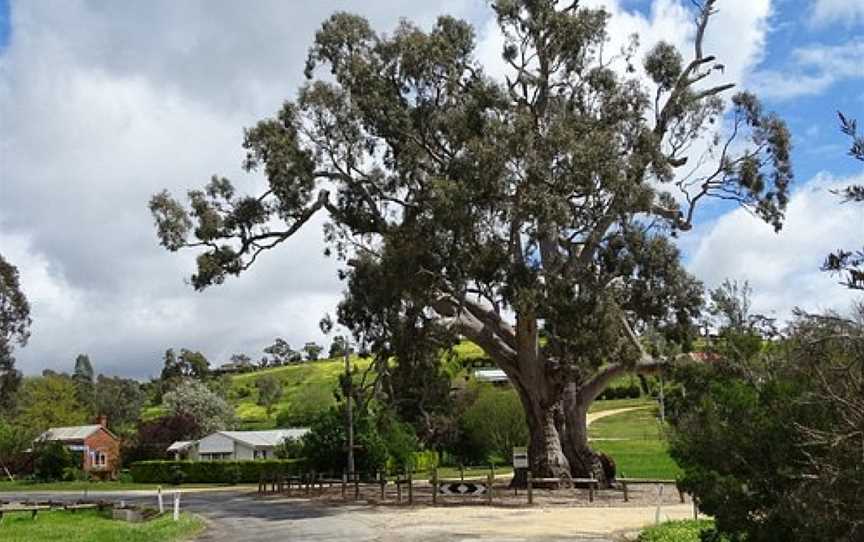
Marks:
<point>500,210</point>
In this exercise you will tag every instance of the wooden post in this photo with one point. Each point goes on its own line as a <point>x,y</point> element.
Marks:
<point>530,489</point>
<point>591,489</point>
<point>344,484</point>
<point>695,508</point>
<point>383,481</point>
<point>489,480</point>
<point>410,488</point>
<point>461,472</point>
<point>626,494</point>
<point>435,486</point>
<point>176,506</point>
<point>356,486</point>
<point>398,490</point>
<point>159,499</point>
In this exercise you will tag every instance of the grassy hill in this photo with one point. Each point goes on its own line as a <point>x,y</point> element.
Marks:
<point>307,388</point>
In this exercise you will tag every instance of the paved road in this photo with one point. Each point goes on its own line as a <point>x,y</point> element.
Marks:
<point>240,516</point>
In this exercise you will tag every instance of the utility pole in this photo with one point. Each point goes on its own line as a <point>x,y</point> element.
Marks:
<point>349,405</point>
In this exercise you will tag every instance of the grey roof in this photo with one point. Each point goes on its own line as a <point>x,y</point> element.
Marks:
<point>490,375</point>
<point>180,445</point>
<point>79,432</point>
<point>266,438</point>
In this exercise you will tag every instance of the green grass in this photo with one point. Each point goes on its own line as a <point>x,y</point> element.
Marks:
<point>302,384</point>
<point>676,531</point>
<point>643,451</point>
<point>612,404</point>
<point>90,526</point>
<point>7,486</point>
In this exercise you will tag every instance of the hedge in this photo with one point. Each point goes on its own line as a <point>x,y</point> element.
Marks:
<point>215,472</point>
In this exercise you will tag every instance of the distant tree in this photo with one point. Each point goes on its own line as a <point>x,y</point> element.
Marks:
<point>84,380</point>
<point>280,352</point>
<point>313,351</point>
<point>188,364</point>
<point>491,208</point>
<point>14,328</point>
<point>14,441</point>
<point>241,360</point>
<point>120,400</point>
<point>269,392</point>
<point>194,399</point>
<point>221,385</point>
<point>49,401</point>
<point>850,263</point>
<point>338,347</point>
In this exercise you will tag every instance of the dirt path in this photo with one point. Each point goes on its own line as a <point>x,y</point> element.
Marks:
<point>594,416</point>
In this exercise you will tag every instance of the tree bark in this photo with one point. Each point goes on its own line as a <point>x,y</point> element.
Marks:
<point>584,462</point>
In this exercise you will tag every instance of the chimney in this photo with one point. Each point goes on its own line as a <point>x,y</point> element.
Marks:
<point>102,420</point>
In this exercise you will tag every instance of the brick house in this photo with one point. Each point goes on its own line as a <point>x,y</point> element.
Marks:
<point>99,447</point>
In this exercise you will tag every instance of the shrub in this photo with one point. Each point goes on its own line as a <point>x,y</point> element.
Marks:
<point>52,461</point>
<point>324,445</point>
<point>679,531</point>
<point>211,472</point>
<point>493,425</point>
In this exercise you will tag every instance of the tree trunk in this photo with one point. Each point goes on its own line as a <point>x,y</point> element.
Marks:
<point>584,462</point>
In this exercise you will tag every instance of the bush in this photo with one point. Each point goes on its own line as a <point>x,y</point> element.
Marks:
<point>679,531</point>
<point>324,445</point>
<point>210,472</point>
<point>493,425</point>
<point>52,461</point>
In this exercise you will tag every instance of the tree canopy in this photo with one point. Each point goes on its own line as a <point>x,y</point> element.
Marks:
<point>494,208</point>
<point>14,328</point>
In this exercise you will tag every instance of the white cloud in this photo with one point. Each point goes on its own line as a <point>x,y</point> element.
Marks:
<point>783,268</point>
<point>837,11</point>
<point>814,69</point>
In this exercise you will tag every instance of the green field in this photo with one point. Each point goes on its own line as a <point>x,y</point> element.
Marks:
<point>307,387</point>
<point>87,526</point>
<point>642,451</point>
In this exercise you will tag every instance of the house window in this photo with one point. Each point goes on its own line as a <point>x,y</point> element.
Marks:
<point>98,458</point>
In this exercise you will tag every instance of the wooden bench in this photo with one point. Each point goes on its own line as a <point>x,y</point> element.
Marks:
<point>8,509</point>
<point>568,483</point>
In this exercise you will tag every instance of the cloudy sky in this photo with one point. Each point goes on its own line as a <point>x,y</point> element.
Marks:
<point>103,103</point>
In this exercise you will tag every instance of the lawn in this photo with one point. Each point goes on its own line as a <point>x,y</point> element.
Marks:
<point>612,404</point>
<point>642,451</point>
<point>6,486</point>
<point>91,526</point>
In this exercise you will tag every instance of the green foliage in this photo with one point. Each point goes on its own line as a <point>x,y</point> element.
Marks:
<point>289,448</point>
<point>303,410</point>
<point>14,440</point>
<point>325,445</point>
<point>49,401</point>
<point>14,328</point>
<point>269,392</point>
<point>679,531</point>
<point>84,379</point>
<point>52,461</point>
<point>215,472</point>
<point>121,400</point>
<point>494,424</point>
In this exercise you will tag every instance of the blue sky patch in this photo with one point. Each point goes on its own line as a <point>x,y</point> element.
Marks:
<point>5,23</point>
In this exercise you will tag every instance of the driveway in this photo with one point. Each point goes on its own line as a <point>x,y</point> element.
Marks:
<point>239,516</point>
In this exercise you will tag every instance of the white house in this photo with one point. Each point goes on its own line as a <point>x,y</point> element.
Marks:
<point>235,445</point>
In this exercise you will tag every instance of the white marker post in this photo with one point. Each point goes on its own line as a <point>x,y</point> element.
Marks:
<point>159,499</point>
<point>659,504</point>
<point>176,506</point>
